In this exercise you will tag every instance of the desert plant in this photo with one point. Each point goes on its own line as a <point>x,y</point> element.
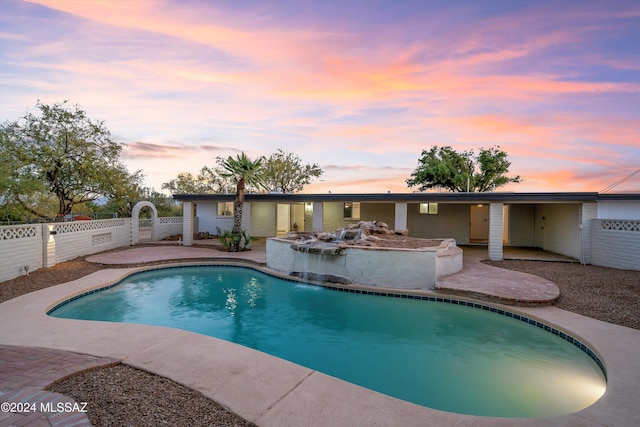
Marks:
<point>234,242</point>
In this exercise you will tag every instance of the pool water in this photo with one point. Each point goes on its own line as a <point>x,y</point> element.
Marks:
<point>444,356</point>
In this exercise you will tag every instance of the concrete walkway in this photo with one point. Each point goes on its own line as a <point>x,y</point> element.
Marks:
<point>270,391</point>
<point>155,253</point>
<point>488,283</point>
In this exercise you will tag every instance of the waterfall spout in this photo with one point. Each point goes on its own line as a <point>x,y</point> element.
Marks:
<point>319,247</point>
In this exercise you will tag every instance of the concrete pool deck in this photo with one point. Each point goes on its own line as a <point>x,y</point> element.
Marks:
<point>273,392</point>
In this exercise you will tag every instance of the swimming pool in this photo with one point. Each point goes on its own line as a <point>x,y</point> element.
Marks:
<point>444,356</point>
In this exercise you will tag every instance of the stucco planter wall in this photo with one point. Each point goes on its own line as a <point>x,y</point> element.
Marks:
<point>384,267</point>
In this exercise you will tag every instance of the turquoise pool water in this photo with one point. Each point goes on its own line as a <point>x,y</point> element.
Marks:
<point>441,355</point>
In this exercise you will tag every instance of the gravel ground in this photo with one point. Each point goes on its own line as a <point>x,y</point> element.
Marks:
<point>601,293</point>
<point>124,396</point>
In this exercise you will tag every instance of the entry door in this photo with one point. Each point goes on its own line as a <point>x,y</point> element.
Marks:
<point>479,224</point>
<point>283,218</point>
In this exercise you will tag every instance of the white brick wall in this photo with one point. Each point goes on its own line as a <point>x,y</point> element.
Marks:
<point>20,245</point>
<point>44,245</point>
<point>188,223</point>
<point>588,213</point>
<point>495,231</point>
<point>616,248</point>
<point>78,238</point>
<point>168,226</point>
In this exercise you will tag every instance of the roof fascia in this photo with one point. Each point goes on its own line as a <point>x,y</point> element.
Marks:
<point>486,197</point>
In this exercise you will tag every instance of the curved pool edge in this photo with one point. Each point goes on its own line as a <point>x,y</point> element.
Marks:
<point>375,290</point>
<point>270,391</point>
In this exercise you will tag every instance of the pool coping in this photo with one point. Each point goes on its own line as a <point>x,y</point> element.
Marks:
<point>273,392</point>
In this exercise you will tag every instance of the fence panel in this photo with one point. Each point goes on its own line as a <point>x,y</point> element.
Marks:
<point>168,226</point>
<point>616,243</point>
<point>44,245</point>
<point>20,250</point>
<point>78,238</point>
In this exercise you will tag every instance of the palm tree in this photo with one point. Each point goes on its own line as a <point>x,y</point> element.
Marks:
<point>241,170</point>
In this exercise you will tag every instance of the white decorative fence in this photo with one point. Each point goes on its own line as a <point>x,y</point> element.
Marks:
<point>620,225</point>
<point>25,248</point>
<point>168,226</point>
<point>616,243</point>
<point>21,249</point>
<point>69,240</point>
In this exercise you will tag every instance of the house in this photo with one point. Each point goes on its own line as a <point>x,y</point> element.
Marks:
<point>601,229</point>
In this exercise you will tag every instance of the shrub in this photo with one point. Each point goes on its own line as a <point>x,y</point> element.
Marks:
<point>235,242</point>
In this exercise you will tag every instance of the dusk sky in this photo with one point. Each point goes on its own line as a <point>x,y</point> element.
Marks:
<point>359,87</point>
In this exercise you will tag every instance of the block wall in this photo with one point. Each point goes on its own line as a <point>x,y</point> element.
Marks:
<point>615,243</point>
<point>44,245</point>
<point>588,212</point>
<point>78,238</point>
<point>168,226</point>
<point>20,246</point>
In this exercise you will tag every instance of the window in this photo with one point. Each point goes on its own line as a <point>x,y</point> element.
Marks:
<point>429,208</point>
<point>225,208</point>
<point>351,210</point>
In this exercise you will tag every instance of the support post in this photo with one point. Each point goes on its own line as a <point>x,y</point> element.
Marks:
<point>318,216</point>
<point>187,223</point>
<point>588,212</point>
<point>495,232</point>
<point>400,217</point>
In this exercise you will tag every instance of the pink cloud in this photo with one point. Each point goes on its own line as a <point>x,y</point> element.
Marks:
<point>317,87</point>
<point>146,150</point>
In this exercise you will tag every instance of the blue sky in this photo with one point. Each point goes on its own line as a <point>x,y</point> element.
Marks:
<point>359,87</point>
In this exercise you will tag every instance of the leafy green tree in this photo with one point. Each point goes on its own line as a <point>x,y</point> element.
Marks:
<point>208,181</point>
<point>64,153</point>
<point>165,206</point>
<point>282,171</point>
<point>443,167</point>
<point>185,183</point>
<point>242,171</point>
<point>123,206</point>
<point>285,172</point>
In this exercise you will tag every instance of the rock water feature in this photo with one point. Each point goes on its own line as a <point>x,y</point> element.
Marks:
<point>362,233</point>
<point>365,253</point>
